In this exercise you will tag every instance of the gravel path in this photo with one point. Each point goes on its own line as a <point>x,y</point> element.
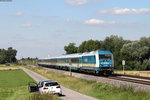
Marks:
<point>68,94</point>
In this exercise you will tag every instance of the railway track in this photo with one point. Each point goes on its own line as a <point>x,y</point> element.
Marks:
<point>131,79</point>
<point>139,77</point>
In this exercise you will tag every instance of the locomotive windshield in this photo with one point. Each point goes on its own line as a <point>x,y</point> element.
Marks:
<point>107,57</point>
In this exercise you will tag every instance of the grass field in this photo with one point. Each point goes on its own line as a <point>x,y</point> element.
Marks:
<point>14,78</point>
<point>95,89</point>
<point>13,86</point>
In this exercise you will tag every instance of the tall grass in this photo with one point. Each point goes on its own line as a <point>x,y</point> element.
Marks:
<point>93,88</point>
<point>37,96</point>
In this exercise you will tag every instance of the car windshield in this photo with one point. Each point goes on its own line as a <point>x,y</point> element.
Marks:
<point>51,84</point>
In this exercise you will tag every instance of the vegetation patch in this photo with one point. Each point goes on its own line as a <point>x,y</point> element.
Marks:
<point>14,78</point>
<point>37,96</point>
<point>10,68</point>
<point>6,67</point>
<point>13,86</point>
<point>94,89</point>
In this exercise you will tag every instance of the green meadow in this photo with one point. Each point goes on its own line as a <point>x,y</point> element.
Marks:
<point>13,78</point>
<point>13,86</point>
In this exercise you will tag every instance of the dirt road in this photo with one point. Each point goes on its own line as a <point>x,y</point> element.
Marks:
<point>68,94</point>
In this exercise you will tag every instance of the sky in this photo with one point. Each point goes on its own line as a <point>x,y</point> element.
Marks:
<point>41,28</point>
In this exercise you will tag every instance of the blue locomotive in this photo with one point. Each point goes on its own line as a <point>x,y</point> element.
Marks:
<point>97,62</point>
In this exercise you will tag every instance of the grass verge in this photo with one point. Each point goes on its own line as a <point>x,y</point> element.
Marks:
<point>94,89</point>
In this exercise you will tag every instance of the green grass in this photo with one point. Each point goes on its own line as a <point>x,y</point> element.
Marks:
<point>14,78</point>
<point>15,93</point>
<point>13,86</point>
<point>95,89</point>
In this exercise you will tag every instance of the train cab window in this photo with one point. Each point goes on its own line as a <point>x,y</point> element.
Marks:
<point>107,57</point>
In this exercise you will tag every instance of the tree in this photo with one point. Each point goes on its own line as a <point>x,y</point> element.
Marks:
<point>137,51</point>
<point>81,48</point>
<point>89,45</point>
<point>113,43</point>
<point>11,55</point>
<point>92,45</point>
<point>2,56</point>
<point>71,48</point>
<point>8,56</point>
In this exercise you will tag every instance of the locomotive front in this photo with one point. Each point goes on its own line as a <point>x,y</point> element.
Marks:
<point>106,62</point>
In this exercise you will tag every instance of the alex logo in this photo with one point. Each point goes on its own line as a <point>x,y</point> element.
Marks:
<point>104,62</point>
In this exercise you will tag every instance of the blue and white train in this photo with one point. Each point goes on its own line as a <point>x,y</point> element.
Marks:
<point>97,62</point>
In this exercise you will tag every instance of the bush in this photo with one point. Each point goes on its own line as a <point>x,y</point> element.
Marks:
<point>146,64</point>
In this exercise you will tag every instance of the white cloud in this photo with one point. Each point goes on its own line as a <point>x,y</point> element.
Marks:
<point>121,11</point>
<point>97,22</point>
<point>26,25</point>
<point>77,2</point>
<point>67,20</point>
<point>19,13</point>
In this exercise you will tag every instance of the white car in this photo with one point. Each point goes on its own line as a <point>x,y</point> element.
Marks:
<point>46,86</point>
<point>49,86</point>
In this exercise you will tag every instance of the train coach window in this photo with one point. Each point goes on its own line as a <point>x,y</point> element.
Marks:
<point>75,60</point>
<point>61,60</point>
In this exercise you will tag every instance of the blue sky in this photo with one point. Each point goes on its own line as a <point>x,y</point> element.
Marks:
<point>38,28</point>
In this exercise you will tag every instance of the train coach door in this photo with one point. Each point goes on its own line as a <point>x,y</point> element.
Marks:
<point>70,63</point>
<point>81,61</point>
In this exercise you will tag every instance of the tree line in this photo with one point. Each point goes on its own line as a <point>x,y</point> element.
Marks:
<point>135,53</point>
<point>8,55</point>
<point>28,61</point>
